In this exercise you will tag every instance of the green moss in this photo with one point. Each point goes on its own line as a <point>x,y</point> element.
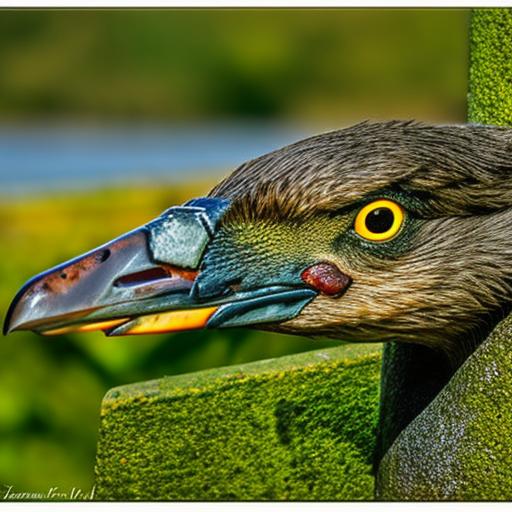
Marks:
<point>490,73</point>
<point>412,376</point>
<point>299,427</point>
<point>459,448</point>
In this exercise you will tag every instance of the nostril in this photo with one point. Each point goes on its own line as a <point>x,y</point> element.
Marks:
<point>173,276</point>
<point>103,256</point>
<point>145,276</point>
<point>63,275</point>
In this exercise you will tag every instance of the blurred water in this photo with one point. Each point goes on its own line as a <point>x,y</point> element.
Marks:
<point>38,158</point>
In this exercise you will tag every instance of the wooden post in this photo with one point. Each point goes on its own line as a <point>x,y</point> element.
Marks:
<point>300,427</point>
<point>490,70</point>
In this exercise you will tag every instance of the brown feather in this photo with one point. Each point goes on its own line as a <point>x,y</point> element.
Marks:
<point>453,281</point>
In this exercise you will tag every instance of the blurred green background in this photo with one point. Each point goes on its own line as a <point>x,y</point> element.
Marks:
<point>302,70</point>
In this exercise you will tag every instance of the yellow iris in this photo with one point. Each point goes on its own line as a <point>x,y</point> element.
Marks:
<point>379,221</point>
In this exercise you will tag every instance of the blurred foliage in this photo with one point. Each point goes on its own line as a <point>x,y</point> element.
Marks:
<point>211,64</point>
<point>51,388</point>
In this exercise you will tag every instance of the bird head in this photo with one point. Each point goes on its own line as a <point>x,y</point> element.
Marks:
<point>381,231</point>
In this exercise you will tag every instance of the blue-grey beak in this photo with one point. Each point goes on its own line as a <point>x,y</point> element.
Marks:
<point>142,282</point>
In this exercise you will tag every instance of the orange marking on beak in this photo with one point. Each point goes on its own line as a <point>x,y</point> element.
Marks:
<point>96,326</point>
<point>172,321</point>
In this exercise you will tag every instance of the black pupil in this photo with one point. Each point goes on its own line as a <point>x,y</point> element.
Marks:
<point>379,220</point>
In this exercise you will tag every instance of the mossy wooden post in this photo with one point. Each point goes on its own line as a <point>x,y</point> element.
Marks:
<point>460,447</point>
<point>298,427</point>
<point>490,72</point>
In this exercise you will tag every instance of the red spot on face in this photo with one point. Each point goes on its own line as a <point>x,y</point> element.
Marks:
<point>326,278</point>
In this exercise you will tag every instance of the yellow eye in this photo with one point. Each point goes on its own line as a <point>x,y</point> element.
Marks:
<point>380,220</point>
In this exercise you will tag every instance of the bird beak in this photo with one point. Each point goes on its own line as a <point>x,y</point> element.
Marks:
<point>143,282</point>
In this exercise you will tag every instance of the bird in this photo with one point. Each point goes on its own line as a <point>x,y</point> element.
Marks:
<point>394,231</point>
<point>381,231</point>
